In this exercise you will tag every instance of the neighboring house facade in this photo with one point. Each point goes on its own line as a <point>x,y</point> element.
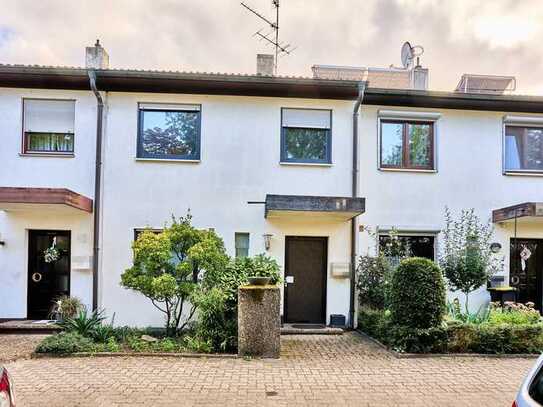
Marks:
<point>288,166</point>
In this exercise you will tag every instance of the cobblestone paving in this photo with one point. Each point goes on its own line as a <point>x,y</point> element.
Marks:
<point>345,370</point>
<point>15,346</point>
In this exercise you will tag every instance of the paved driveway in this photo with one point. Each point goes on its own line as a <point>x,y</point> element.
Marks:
<point>345,370</point>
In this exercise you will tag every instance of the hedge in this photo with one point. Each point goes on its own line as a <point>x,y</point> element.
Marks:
<point>452,338</point>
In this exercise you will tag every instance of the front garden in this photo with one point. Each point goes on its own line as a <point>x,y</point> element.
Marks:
<point>185,274</point>
<point>403,299</point>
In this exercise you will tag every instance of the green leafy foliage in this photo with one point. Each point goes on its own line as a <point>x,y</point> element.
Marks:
<point>514,314</point>
<point>453,337</point>
<point>373,277</point>
<point>455,313</point>
<point>466,258</point>
<point>83,323</point>
<point>417,294</point>
<point>218,300</point>
<point>168,268</point>
<point>64,343</point>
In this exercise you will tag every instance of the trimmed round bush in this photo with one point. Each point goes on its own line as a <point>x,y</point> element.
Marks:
<point>417,294</point>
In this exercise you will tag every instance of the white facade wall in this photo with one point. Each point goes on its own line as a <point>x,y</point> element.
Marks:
<point>469,175</point>
<point>240,154</point>
<point>240,162</point>
<point>75,173</point>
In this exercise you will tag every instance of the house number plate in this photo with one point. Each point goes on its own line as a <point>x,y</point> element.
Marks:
<point>289,279</point>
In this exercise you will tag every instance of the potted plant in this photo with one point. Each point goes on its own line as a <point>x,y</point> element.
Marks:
<point>262,270</point>
<point>65,307</point>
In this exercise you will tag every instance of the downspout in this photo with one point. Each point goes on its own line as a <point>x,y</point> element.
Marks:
<point>358,103</point>
<point>97,187</point>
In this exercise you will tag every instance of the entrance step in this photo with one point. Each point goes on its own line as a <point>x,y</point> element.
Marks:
<point>27,326</point>
<point>310,329</point>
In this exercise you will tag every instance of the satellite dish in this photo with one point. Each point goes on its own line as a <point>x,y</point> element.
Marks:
<point>409,52</point>
<point>407,55</point>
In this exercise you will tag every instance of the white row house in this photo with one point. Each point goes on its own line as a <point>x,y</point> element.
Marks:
<point>298,168</point>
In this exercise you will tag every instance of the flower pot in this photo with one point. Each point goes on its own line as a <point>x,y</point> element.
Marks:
<point>259,280</point>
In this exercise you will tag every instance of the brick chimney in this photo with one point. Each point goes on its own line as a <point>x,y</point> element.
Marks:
<point>264,64</point>
<point>96,57</point>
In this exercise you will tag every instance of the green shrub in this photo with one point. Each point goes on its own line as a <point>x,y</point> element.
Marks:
<point>378,324</point>
<point>373,274</point>
<point>65,342</point>
<point>417,294</point>
<point>199,345</point>
<point>515,314</point>
<point>417,340</point>
<point>83,323</point>
<point>111,345</point>
<point>374,322</point>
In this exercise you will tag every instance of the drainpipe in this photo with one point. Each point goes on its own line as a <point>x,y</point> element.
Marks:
<point>97,187</point>
<point>361,90</point>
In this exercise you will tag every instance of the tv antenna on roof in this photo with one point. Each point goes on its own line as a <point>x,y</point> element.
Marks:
<point>272,37</point>
<point>409,52</point>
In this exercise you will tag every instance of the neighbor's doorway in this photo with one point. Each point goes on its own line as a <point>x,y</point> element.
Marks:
<point>305,279</point>
<point>49,278</point>
<point>526,270</point>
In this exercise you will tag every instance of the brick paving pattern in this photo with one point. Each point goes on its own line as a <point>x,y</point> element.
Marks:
<point>345,370</point>
<point>15,346</point>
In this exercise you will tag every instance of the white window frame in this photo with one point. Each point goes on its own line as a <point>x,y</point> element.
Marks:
<point>412,116</point>
<point>30,153</point>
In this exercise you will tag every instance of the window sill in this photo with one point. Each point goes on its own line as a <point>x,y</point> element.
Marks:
<point>524,173</point>
<point>407,170</point>
<point>306,164</point>
<point>167,160</point>
<point>56,155</point>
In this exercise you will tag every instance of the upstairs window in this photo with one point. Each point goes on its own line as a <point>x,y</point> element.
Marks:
<point>169,131</point>
<point>242,244</point>
<point>48,126</point>
<point>523,148</point>
<point>407,145</point>
<point>306,136</point>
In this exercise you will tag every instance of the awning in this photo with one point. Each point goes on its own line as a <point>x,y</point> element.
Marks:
<point>12,198</point>
<point>525,211</point>
<point>341,208</point>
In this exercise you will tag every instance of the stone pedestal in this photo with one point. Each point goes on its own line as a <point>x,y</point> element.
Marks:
<point>259,321</point>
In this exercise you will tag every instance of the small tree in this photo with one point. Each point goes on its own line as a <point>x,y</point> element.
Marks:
<point>466,258</point>
<point>168,267</point>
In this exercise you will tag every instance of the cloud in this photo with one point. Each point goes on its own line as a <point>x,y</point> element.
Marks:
<point>464,36</point>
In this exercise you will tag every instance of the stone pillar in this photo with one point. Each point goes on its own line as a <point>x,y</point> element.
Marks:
<point>259,321</point>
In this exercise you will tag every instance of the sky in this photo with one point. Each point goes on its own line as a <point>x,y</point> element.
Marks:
<point>501,37</point>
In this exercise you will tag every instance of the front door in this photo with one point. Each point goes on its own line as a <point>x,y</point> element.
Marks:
<point>526,270</point>
<point>48,270</point>
<point>305,279</point>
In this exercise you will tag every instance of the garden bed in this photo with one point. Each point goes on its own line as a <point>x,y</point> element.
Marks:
<point>123,341</point>
<point>453,337</point>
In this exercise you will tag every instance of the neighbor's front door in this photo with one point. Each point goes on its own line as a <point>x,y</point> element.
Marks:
<point>48,276</point>
<point>305,279</point>
<point>526,270</point>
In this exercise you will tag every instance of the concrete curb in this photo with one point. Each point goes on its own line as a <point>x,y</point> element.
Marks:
<point>135,354</point>
<point>400,355</point>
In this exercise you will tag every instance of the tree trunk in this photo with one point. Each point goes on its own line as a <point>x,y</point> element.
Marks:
<point>467,302</point>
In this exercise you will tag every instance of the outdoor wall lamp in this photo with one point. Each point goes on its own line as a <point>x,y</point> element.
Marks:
<point>267,240</point>
<point>2,243</point>
<point>495,247</point>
